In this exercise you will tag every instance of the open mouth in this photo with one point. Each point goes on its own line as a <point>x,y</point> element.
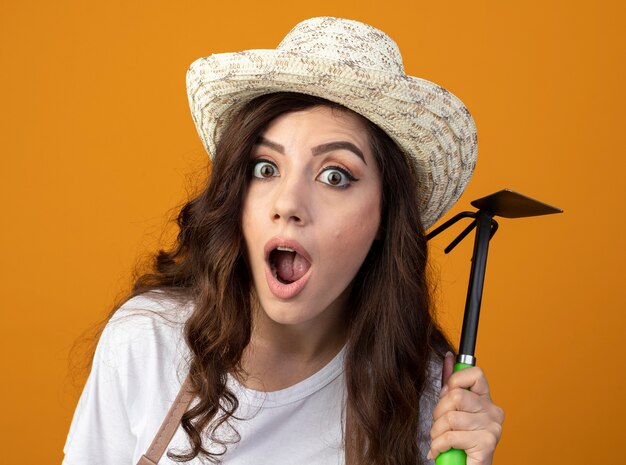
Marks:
<point>287,265</point>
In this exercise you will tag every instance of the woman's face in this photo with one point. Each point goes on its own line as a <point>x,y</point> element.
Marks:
<point>311,213</point>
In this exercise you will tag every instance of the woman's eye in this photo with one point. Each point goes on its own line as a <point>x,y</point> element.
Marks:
<point>336,177</point>
<point>264,169</point>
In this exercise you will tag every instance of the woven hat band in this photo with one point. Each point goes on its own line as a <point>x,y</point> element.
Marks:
<point>350,42</point>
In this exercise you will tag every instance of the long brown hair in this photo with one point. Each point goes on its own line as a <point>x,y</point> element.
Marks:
<point>392,334</point>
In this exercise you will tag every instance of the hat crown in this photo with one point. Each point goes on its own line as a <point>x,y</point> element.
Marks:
<point>349,42</point>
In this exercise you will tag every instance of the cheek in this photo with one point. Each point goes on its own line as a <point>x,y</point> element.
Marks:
<point>357,228</point>
<point>354,234</point>
<point>249,221</point>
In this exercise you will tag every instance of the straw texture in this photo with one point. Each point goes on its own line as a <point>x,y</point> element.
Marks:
<point>360,67</point>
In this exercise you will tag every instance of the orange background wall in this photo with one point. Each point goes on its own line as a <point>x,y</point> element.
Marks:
<point>98,148</point>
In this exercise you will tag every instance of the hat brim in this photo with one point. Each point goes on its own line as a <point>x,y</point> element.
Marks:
<point>432,127</point>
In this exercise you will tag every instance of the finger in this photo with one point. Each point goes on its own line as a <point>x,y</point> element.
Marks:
<point>472,378</point>
<point>446,371</point>
<point>460,400</point>
<point>454,420</point>
<point>478,445</point>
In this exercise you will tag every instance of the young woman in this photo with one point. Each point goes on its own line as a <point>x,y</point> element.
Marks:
<point>293,310</point>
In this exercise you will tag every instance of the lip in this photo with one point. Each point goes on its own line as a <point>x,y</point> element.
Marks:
<point>281,290</point>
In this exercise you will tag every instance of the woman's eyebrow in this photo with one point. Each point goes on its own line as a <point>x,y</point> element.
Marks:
<point>273,145</point>
<point>318,150</point>
<point>339,145</point>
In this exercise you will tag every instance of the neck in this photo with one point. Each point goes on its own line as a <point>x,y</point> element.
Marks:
<point>280,356</point>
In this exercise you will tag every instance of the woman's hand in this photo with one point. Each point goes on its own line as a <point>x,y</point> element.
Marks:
<point>463,419</point>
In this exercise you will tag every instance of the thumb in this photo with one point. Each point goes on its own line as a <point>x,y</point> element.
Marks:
<point>446,372</point>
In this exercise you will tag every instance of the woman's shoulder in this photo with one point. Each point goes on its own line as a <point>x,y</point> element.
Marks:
<point>155,304</point>
<point>140,362</point>
<point>430,394</point>
<point>146,330</point>
<point>428,401</point>
<point>433,373</point>
<point>153,313</point>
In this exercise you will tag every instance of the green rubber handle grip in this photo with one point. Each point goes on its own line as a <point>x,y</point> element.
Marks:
<point>453,456</point>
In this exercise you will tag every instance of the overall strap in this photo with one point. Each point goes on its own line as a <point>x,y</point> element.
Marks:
<point>169,426</point>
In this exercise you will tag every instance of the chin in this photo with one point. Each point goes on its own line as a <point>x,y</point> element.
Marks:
<point>288,313</point>
<point>305,310</point>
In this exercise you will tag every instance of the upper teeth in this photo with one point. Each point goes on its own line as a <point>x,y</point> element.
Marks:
<point>285,249</point>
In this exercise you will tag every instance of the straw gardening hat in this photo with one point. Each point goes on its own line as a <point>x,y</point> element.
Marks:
<point>359,67</point>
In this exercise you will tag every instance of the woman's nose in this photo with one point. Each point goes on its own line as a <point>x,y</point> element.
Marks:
<point>291,201</point>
